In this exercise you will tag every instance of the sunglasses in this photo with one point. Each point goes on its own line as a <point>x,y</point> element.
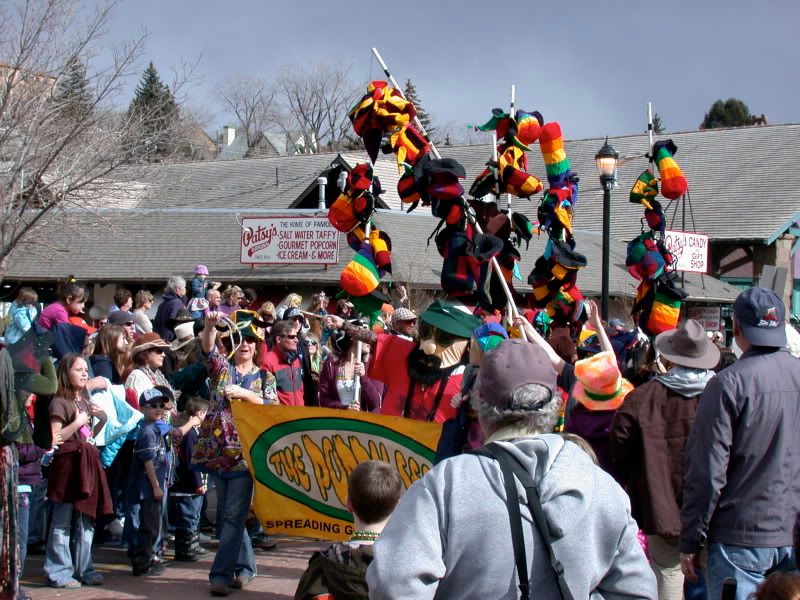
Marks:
<point>310,343</point>
<point>156,405</point>
<point>442,338</point>
<point>157,350</point>
<point>291,337</point>
<point>129,323</point>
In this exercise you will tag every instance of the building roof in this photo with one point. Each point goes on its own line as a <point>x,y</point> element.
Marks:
<point>171,241</point>
<point>739,188</point>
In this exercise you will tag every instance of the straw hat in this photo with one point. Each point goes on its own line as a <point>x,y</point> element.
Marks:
<point>147,342</point>
<point>600,385</point>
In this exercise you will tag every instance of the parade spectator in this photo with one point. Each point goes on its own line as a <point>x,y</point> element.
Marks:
<point>301,329</point>
<point>218,450</point>
<point>344,309</point>
<point>190,374</point>
<point>648,441</point>
<point>110,356</point>
<point>21,315</point>
<point>143,302</point>
<point>186,495</point>
<point>404,322</point>
<point>77,486</point>
<point>73,297</point>
<point>126,320</point>
<point>230,299</point>
<point>291,300</point>
<point>319,306</point>
<point>149,474</point>
<point>561,341</point>
<point>311,345</point>
<point>98,316</point>
<point>123,300</point>
<point>171,303</point>
<point>147,356</point>
<point>740,493</point>
<point>267,315</point>
<point>283,362</point>
<point>214,298</point>
<point>337,380</point>
<point>373,490</point>
<point>779,586</point>
<point>200,283</point>
<point>461,543</point>
<point>249,299</point>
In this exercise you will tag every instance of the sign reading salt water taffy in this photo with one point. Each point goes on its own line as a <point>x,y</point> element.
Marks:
<point>289,240</point>
<point>300,459</point>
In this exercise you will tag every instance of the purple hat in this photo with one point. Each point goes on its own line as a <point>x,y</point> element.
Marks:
<point>201,270</point>
<point>760,314</point>
<point>512,364</point>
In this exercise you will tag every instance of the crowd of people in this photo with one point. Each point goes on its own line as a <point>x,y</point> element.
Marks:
<point>577,460</point>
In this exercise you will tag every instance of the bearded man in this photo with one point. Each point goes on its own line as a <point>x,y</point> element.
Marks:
<point>421,377</point>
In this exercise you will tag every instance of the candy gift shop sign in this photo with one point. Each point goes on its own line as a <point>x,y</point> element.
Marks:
<point>689,249</point>
<point>289,240</point>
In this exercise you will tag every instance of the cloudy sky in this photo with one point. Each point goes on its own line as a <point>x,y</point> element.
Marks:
<point>590,65</point>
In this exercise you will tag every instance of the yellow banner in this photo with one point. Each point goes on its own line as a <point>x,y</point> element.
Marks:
<point>300,459</point>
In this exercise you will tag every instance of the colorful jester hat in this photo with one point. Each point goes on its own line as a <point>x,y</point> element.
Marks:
<point>673,183</point>
<point>644,189</point>
<point>355,205</point>
<point>522,130</point>
<point>380,111</point>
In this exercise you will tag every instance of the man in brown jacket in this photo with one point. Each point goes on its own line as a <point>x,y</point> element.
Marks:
<point>648,439</point>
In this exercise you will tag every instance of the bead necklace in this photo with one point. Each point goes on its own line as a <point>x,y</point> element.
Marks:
<point>364,536</point>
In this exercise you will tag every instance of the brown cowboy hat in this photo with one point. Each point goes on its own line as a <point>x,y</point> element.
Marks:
<point>688,346</point>
<point>147,342</point>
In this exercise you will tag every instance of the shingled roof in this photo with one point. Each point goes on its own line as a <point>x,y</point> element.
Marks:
<point>166,242</point>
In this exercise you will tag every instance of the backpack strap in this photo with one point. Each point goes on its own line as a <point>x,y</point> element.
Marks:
<point>511,467</point>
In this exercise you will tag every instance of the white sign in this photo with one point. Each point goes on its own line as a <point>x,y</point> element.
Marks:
<point>707,316</point>
<point>289,240</point>
<point>689,249</point>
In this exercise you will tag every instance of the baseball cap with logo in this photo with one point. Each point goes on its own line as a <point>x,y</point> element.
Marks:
<point>761,314</point>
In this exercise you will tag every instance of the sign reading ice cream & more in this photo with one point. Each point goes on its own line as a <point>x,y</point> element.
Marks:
<point>289,240</point>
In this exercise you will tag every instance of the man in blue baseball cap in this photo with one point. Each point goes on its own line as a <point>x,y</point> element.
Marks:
<point>740,492</point>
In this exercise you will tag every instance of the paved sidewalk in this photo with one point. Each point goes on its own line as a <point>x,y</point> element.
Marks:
<point>278,572</point>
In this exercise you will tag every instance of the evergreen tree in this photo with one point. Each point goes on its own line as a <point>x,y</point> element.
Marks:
<point>72,90</point>
<point>727,113</point>
<point>658,126</point>
<point>153,114</point>
<point>410,92</point>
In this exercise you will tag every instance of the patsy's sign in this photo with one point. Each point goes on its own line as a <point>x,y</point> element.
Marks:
<point>300,459</point>
<point>289,240</point>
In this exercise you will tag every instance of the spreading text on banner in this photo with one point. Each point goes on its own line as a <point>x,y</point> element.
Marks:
<point>289,240</point>
<point>300,459</point>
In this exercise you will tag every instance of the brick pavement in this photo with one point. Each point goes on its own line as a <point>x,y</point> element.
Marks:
<point>278,572</point>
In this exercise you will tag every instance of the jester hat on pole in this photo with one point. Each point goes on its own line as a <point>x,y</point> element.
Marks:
<point>645,189</point>
<point>643,259</point>
<point>356,203</point>
<point>360,276</point>
<point>521,130</point>
<point>673,183</point>
<point>555,158</point>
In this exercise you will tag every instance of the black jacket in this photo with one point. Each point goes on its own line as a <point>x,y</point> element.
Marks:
<point>742,480</point>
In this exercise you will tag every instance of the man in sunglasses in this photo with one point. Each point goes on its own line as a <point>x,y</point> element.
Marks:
<point>421,377</point>
<point>284,362</point>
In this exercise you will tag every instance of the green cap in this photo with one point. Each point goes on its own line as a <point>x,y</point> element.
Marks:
<point>450,318</point>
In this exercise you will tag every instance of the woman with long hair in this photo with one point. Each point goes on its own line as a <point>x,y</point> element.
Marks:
<point>110,356</point>
<point>77,485</point>
<point>337,378</point>
<point>235,377</point>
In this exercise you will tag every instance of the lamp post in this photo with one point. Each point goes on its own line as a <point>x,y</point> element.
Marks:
<point>606,161</point>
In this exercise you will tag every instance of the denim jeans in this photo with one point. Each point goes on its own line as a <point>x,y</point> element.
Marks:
<point>130,528</point>
<point>748,566</point>
<point>69,547</point>
<point>235,552</point>
<point>149,530</point>
<point>22,529</point>
<point>185,512</point>
<point>38,514</point>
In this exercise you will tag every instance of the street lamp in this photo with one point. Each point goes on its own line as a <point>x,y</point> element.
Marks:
<point>606,161</point>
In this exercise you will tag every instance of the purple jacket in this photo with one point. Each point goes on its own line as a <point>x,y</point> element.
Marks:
<point>30,464</point>
<point>595,426</point>
<point>371,390</point>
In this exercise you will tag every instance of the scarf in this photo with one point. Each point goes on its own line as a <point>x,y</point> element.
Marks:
<point>686,381</point>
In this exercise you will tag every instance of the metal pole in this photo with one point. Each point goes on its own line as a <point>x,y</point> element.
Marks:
<point>606,248</point>
<point>435,152</point>
<point>650,129</point>
<point>511,115</point>
<point>321,183</point>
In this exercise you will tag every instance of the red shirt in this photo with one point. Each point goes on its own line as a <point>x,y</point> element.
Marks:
<point>389,365</point>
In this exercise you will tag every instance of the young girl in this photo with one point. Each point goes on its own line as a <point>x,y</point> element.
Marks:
<point>77,484</point>
<point>110,357</point>
<point>21,315</point>
<point>73,297</point>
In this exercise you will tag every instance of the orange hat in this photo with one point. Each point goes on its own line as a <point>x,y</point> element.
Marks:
<point>78,320</point>
<point>600,385</point>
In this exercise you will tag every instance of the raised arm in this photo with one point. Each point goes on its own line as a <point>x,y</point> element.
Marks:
<point>358,334</point>
<point>594,319</point>
<point>534,337</point>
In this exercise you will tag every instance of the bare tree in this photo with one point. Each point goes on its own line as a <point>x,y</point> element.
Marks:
<point>314,103</point>
<point>56,165</point>
<point>251,100</point>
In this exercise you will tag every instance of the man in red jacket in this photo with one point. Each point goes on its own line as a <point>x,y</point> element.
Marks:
<point>283,361</point>
<point>421,377</point>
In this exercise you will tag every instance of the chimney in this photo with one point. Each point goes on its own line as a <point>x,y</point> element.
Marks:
<point>228,135</point>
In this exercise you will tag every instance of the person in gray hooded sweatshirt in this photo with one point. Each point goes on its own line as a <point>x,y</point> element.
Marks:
<point>450,535</point>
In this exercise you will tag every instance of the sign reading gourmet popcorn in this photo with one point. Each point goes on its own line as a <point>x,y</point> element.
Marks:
<point>289,240</point>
